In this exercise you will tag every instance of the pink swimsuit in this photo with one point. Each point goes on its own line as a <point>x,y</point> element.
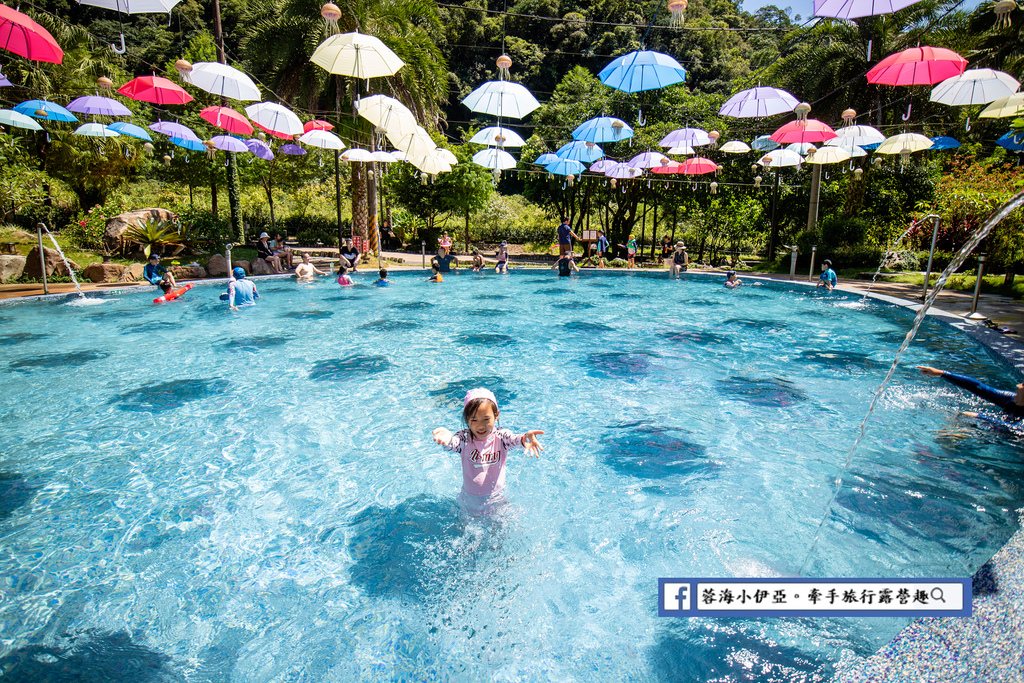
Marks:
<point>483,465</point>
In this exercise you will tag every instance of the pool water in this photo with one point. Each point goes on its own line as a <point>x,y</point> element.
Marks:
<point>193,494</point>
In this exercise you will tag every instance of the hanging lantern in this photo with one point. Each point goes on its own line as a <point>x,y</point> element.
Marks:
<point>757,181</point>
<point>148,149</point>
<point>184,68</point>
<point>570,179</point>
<point>331,14</point>
<point>504,64</point>
<point>714,135</point>
<point>591,145</point>
<point>42,113</point>
<point>1003,9</point>
<point>614,183</point>
<point>369,174</point>
<point>500,140</point>
<point>423,178</point>
<point>496,176</point>
<point>718,169</point>
<point>167,160</point>
<point>551,176</point>
<point>849,115</point>
<point>714,188</point>
<point>802,110</point>
<point>857,173</point>
<point>905,155</point>
<point>105,83</point>
<point>678,9</point>
<point>261,136</point>
<point>617,126</point>
<point>753,168</point>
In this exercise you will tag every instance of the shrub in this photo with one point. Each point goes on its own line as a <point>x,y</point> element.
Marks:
<point>86,229</point>
<point>206,230</point>
<point>308,230</point>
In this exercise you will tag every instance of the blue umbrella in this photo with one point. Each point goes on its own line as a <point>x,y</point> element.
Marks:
<point>642,70</point>
<point>1013,141</point>
<point>603,129</point>
<point>942,142</point>
<point>131,130</point>
<point>41,109</point>
<point>764,143</point>
<point>545,159</point>
<point>580,151</point>
<point>871,147</point>
<point>194,145</point>
<point>566,167</point>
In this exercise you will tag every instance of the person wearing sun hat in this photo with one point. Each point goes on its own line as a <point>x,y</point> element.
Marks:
<point>266,252</point>
<point>502,256</point>
<point>241,292</point>
<point>680,260</point>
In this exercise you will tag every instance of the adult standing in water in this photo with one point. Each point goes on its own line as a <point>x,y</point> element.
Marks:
<point>445,261</point>
<point>565,234</point>
<point>565,265</point>
<point>241,292</point>
<point>306,271</point>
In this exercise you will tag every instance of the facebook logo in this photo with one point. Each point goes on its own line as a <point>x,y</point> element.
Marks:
<point>675,597</point>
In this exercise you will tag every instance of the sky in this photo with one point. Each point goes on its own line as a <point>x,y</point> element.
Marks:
<point>805,8</point>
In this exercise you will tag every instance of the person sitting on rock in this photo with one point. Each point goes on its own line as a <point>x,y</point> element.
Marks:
<point>266,252</point>
<point>154,273</point>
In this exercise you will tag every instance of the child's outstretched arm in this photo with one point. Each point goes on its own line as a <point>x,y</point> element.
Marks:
<point>531,444</point>
<point>443,436</point>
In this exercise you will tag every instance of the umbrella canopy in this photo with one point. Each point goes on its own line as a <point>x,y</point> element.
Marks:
<point>942,142</point>
<point>849,147</point>
<point>9,117</point>
<point>599,166</point>
<point>735,147</point>
<point>188,143</point>
<point>133,6</point>
<point>681,149</point>
<point>502,98</point>
<point>1007,106</point>
<point>155,89</point>
<point>975,86</point>
<point>228,144</point>
<point>602,129</point>
<point>499,137</point>
<point>860,135</point>
<point>910,141</point>
<point>566,167</point>
<point>356,55</point>
<point>275,119</point>
<point>399,155</point>
<point>292,149</point>
<point>828,155</point>
<point>316,124</point>
<point>800,148</point>
<point>221,79</point>
<point>99,106</point>
<point>430,163</point>
<point>20,34</point>
<point>446,155</point>
<point>357,154</point>
<point>780,158</point>
<point>642,70</point>
<point>96,130</point>
<point>580,151</point>
<point>699,166</point>
<point>387,113</point>
<point>3,81</point>
<point>322,139</point>
<point>690,137</point>
<point>673,167</point>
<point>384,157</point>
<point>918,66</point>
<point>42,109</point>
<point>758,103</point>
<point>853,9</point>
<point>623,171</point>
<point>494,158</point>
<point>174,130</point>
<point>1013,141</point>
<point>260,149</point>
<point>416,144</point>
<point>649,160</point>
<point>810,130</point>
<point>131,130</point>
<point>228,119</point>
<point>764,143</point>
<point>549,158</point>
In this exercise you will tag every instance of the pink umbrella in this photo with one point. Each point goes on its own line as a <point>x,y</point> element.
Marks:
<point>668,168</point>
<point>699,166</point>
<point>918,66</point>
<point>155,89</point>
<point>228,119</point>
<point>316,124</point>
<point>20,34</point>
<point>810,130</point>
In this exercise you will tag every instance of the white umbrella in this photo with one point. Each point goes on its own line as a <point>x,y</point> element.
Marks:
<point>759,102</point>
<point>601,165</point>
<point>828,155</point>
<point>498,136</point>
<point>975,86</point>
<point>913,142</point>
<point>356,54</point>
<point>681,149</point>
<point>801,148</point>
<point>623,171</point>
<point>133,7</point>
<point>387,113</point>
<point>221,79</point>
<point>494,158</point>
<point>416,144</point>
<point>859,135</point>
<point>357,154</point>
<point>446,155</point>
<point>780,158</point>
<point>847,146</point>
<point>9,117</point>
<point>96,130</point>
<point>399,155</point>
<point>501,98</point>
<point>430,163</point>
<point>735,147</point>
<point>275,119</point>
<point>384,157</point>
<point>1007,106</point>
<point>322,139</point>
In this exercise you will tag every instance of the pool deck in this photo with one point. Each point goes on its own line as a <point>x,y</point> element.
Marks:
<point>985,647</point>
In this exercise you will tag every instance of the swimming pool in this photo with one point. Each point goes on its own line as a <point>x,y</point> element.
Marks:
<point>194,494</point>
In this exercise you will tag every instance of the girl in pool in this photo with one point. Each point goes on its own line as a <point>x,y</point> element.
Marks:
<point>731,281</point>
<point>483,448</point>
<point>343,277</point>
<point>630,247</point>
<point>502,256</point>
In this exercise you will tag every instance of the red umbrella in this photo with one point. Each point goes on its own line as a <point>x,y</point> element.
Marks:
<point>918,66</point>
<point>228,119</point>
<point>668,168</point>
<point>155,89</point>
<point>316,124</point>
<point>699,166</point>
<point>24,37</point>
<point>810,130</point>
<point>275,133</point>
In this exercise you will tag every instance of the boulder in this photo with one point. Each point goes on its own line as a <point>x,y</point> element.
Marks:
<point>11,267</point>
<point>104,272</point>
<point>188,273</point>
<point>218,265</point>
<point>132,273</point>
<point>116,225</point>
<point>261,267</point>
<point>54,263</point>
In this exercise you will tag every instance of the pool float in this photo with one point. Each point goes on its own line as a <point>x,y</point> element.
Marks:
<point>173,295</point>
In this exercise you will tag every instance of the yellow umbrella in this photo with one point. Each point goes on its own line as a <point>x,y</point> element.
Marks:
<point>911,142</point>
<point>1008,106</point>
<point>357,55</point>
<point>828,155</point>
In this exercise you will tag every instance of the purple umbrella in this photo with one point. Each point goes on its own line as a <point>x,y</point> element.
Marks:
<point>603,165</point>
<point>759,102</point>
<point>3,80</point>
<point>854,9</point>
<point>228,143</point>
<point>689,137</point>
<point>623,171</point>
<point>648,160</point>
<point>96,105</point>
<point>260,149</point>
<point>174,130</point>
<point>293,150</point>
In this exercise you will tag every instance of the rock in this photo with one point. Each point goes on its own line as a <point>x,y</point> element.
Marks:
<point>54,263</point>
<point>104,272</point>
<point>116,225</point>
<point>218,265</point>
<point>188,273</point>
<point>132,273</point>
<point>11,267</point>
<point>244,265</point>
<point>261,267</point>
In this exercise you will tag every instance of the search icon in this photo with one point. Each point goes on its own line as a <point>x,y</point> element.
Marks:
<point>940,597</point>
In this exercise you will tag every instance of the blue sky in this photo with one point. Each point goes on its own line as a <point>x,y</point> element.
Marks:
<point>805,8</point>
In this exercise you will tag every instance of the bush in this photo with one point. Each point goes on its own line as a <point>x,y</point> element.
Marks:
<point>86,229</point>
<point>514,219</point>
<point>205,229</point>
<point>309,230</point>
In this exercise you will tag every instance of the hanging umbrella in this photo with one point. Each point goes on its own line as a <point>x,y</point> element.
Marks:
<point>416,144</point>
<point>735,147</point>
<point>699,166</point>
<point>904,141</point>
<point>96,130</point>
<point>322,139</point>
<point>975,86</point>
<point>260,149</point>
<point>642,70</point>
<point>357,154</point>
<point>860,135</point>
<point>691,137</point>
<point>221,79</point>
<point>494,158</point>
<point>549,158</point>
<point>580,151</point>
<point>399,155</point>
<point>174,130</point>
<point>501,98</point>
<point>828,155</point>
<point>1007,106</point>
<point>780,158</point>
<point>917,66</point>
<point>681,149</point>
<point>356,55</point>
<point>99,106</point>
<point>228,144</point>
<point>387,113</point>
<point>384,158</point>
<point>132,7</point>
<point>9,117</point>
<point>1013,141</point>
<point>942,142</point>
<point>764,143</point>
<point>188,143</point>
<point>854,9</point>
<point>800,148</point>
<point>275,119</point>
<point>155,89</point>
<point>623,172</point>
<point>810,130</point>
<point>131,130</point>
<point>20,34</point>
<point>668,168</point>
<point>850,148</point>
<point>228,119</point>
<point>649,160</point>
<point>430,164</point>
<point>42,109</point>
<point>498,136</point>
<point>316,124</point>
<point>758,103</point>
<point>599,166</point>
<point>446,155</point>
<point>293,150</point>
<point>3,81</point>
<point>602,129</point>
<point>566,167</point>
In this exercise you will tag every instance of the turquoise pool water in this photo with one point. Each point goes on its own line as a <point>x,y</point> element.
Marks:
<point>192,494</point>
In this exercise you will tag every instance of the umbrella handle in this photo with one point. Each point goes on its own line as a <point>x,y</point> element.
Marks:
<point>907,115</point>
<point>640,120</point>
<point>967,127</point>
<point>113,46</point>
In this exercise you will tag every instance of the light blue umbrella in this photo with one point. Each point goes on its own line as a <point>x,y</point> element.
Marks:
<point>945,143</point>
<point>53,112</point>
<point>194,145</point>
<point>764,143</point>
<point>1013,141</point>
<point>602,129</point>
<point>580,151</point>
<point>545,159</point>
<point>566,167</point>
<point>642,70</point>
<point>130,129</point>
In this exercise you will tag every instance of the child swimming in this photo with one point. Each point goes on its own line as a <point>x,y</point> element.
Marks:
<point>731,281</point>
<point>483,448</point>
<point>343,277</point>
<point>383,281</point>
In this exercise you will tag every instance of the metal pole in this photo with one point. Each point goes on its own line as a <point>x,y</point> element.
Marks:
<point>812,211</point>
<point>423,246</point>
<point>792,263</point>
<point>42,258</point>
<point>974,315</point>
<point>810,275</point>
<point>774,234</point>
<point>227,256</point>
<point>337,195</point>
<point>931,254</point>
